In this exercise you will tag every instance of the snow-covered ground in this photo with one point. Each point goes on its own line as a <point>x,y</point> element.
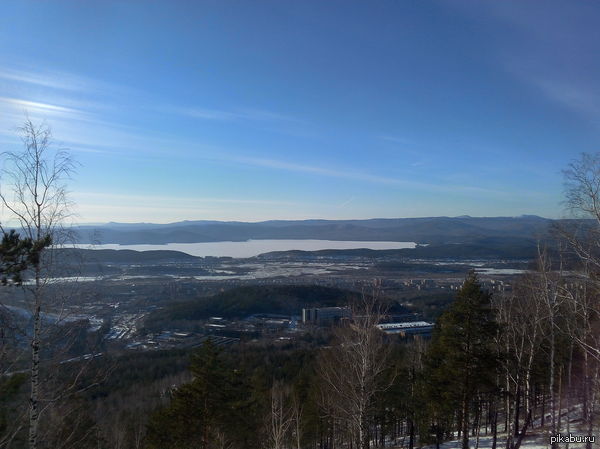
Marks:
<point>537,438</point>
<point>533,441</point>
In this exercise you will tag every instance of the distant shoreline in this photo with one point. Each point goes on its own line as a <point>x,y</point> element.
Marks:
<point>254,247</point>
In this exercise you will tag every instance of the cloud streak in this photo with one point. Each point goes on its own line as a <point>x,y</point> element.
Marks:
<point>62,81</point>
<point>97,206</point>
<point>235,114</point>
<point>53,81</point>
<point>38,107</point>
<point>179,201</point>
<point>552,51</point>
<point>580,99</point>
<point>355,176</point>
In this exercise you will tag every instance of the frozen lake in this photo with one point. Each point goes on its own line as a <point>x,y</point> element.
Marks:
<point>251,248</point>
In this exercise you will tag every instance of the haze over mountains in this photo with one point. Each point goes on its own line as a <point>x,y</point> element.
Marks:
<point>430,230</point>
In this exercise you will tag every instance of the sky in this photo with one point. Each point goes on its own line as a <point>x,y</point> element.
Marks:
<point>259,110</point>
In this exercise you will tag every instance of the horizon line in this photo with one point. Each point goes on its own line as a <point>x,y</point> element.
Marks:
<point>309,219</point>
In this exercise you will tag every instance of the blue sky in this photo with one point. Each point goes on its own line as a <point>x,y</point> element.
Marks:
<point>245,110</point>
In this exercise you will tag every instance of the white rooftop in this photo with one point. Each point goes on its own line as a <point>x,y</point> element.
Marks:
<point>407,325</point>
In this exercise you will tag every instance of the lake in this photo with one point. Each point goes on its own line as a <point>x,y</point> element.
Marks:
<point>251,248</point>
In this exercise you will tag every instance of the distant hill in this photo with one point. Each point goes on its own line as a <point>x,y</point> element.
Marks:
<point>79,255</point>
<point>98,262</point>
<point>432,230</point>
<point>483,248</point>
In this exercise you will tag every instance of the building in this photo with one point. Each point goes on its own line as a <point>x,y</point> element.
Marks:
<point>422,328</point>
<point>325,315</point>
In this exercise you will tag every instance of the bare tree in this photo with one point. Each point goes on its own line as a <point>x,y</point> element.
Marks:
<point>583,328</point>
<point>582,193</point>
<point>297,413</point>
<point>545,286</point>
<point>35,197</point>
<point>522,315</point>
<point>280,418</point>
<point>582,200</point>
<point>351,371</point>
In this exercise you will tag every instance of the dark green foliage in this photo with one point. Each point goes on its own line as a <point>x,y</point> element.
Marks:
<point>17,254</point>
<point>37,247</point>
<point>430,305</point>
<point>140,368</point>
<point>461,361</point>
<point>203,411</point>
<point>13,257</point>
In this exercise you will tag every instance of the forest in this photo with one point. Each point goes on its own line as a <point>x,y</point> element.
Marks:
<point>498,368</point>
<point>495,367</point>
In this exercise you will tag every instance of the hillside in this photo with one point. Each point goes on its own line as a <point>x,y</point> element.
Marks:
<point>483,248</point>
<point>96,262</point>
<point>71,255</point>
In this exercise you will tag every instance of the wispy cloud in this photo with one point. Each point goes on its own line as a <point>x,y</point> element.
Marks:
<point>581,99</point>
<point>38,107</point>
<point>202,113</point>
<point>97,206</point>
<point>263,115</point>
<point>355,175</point>
<point>234,114</point>
<point>178,201</point>
<point>63,81</point>
<point>45,79</point>
<point>395,139</point>
<point>80,129</point>
<point>549,52</point>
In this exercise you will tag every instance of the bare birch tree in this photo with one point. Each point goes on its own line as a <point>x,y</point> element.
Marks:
<point>352,370</point>
<point>582,193</point>
<point>521,315</point>
<point>280,418</point>
<point>34,197</point>
<point>583,328</point>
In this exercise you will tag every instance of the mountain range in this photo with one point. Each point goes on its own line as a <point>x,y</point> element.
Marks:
<point>430,230</point>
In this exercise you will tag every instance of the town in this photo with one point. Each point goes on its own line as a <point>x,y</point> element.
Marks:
<point>115,298</point>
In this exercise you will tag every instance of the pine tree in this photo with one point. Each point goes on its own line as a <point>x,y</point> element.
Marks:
<point>461,361</point>
<point>212,409</point>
